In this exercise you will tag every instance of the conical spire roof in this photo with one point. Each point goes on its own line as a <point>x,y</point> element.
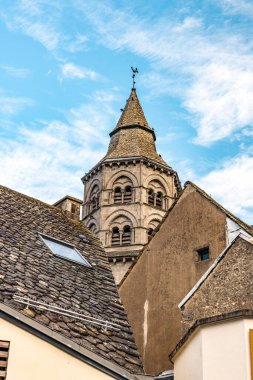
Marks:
<point>132,113</point>
<point>132,136</point>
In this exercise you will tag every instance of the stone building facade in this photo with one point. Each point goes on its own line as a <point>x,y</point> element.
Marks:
<point>70,206</point>
<point>129,191</point>
<point>217,318</point>
<point>226,288</point>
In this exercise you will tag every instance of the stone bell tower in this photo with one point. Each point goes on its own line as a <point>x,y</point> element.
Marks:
<point>128,192</point>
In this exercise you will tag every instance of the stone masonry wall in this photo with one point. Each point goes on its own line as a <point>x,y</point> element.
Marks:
<point>228,288</point>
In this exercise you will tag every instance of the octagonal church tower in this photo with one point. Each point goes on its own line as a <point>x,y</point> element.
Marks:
<point>128,192</point>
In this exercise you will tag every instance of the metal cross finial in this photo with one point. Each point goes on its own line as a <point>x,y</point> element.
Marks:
<point>135,71</point>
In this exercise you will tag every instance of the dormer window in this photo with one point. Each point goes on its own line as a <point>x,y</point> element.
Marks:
<point>65,250</point>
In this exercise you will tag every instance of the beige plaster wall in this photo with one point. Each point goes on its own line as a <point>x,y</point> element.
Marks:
<point>165,273</point>
<point>188,364</point>
<point>33,358</point>
<point>218,351</point>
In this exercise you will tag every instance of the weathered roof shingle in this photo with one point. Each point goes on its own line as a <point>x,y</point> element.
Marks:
<point>28,267</point>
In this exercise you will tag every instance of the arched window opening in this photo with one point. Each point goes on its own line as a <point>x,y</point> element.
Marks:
<point>115,236</point>
<point>151,197</point>
<point>94,203</point>
<point>94,198</point>
<point>128,194</point>
<point>93,228</point>
<point>117,195</point>
<point>158,202</point>
<point>126,235</point>
<point>150,231</point>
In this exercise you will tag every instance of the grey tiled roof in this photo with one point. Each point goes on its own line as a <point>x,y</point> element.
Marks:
<point>133,112</point>
<point>132,136</point>
<point>28,267</point>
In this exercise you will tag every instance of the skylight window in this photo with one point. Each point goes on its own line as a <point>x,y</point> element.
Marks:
<point>64,250</point>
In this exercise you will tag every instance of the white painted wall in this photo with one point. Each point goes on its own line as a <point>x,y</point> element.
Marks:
<point>32,358</point>
<point>233,230</point>
<point>224,351</point>
<point>187,364</point>
<point>216,352</point>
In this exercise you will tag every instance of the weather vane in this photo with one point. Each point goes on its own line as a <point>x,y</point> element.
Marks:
<point>135,71</point>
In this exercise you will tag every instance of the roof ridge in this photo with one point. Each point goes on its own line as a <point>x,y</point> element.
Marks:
<point>53,208</point>
<point>245,226</point>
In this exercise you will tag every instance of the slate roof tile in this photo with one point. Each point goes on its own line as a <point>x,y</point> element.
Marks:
<point>28,267</point>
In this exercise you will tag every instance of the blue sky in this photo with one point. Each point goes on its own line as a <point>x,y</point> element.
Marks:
<point>65,74</point>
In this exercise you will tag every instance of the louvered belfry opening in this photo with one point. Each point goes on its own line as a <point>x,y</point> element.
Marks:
<point>150,231</point>
<point>117,195</point>
<point>4,353</point>
<point>151,197</point>
<point>126,235</point>
<point>115,236</point>
<point>159,199</point>
<point>128,194</point>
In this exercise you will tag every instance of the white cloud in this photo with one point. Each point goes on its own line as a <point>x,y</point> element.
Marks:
<point>209,69</point>
<point>78,43</point>
<point>48,162</point>
<point>232,186</point>
<point>221,100</point>
<point>237,7</point>
<point>72,71</point>
<point>12,105</point>
<point>36,19</point>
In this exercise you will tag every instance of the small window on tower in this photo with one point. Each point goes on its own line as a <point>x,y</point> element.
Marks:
<point>73,208</point>
<point>203,254</point>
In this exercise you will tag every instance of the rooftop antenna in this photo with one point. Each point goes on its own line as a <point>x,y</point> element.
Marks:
<point>135,71</point>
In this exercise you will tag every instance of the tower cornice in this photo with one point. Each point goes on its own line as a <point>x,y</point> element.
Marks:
<point>132,161</point>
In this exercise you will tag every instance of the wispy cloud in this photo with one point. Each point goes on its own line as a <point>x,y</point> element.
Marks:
<point>232,185</point>
<point>221,100</point>
<point>15,71</point>
<point>237,7</point>
<point>35,19</point>
<point>48,161</point>
<point>13,105</point>
<point>209,69</point>
<point>76,44</point>
<point>72,71</point>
